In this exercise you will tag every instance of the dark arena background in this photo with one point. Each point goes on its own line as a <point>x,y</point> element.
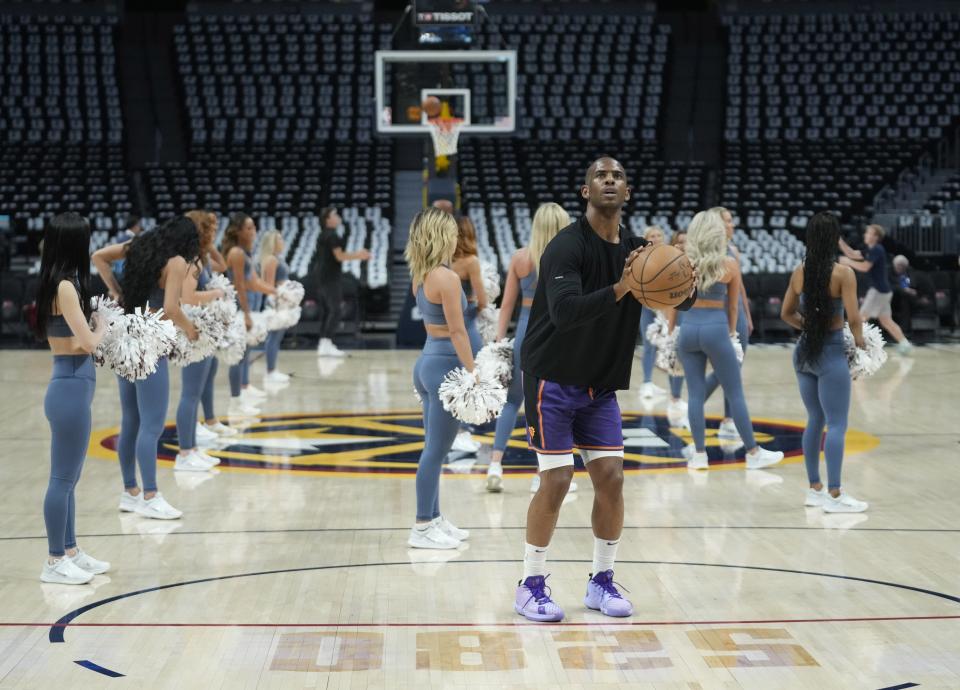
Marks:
<point>291,560</point>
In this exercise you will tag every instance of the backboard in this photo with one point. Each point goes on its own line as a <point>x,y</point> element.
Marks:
<point>479,86</point>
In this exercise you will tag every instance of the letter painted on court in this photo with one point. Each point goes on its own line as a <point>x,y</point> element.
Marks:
<point>633,650</point>
<point>473,651</point>
<point>749,647</point>
<point>328,652</point>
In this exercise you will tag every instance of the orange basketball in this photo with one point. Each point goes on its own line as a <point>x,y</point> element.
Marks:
<point>431,106</point>
<point>661,277</point>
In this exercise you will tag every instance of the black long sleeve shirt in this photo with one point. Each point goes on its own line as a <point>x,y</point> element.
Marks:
<point>578,333</point>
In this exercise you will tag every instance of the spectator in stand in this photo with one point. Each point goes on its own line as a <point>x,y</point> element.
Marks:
<point>330,258</point>
<point>913,292</point>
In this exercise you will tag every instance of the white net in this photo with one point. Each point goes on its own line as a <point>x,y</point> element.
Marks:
<point>445,133</point>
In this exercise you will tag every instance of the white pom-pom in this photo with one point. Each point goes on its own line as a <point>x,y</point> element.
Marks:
<point>487,321</point>
<point>658,331</point>
<point>234,342</point>
<point>135,343</point>
<point>258,330</point>
<point>471,399</point>
<point>218,281</point>
<point>495,361</point>
<point>210,331</point>
<point>737,347</point>
<point>107,308</point>
<point>491,280</point>
<point>289,294</point>
<point>868,360</point>
<point>668,358</point>
<point>282,319</point>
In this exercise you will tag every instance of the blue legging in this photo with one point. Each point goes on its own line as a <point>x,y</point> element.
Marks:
<point>240,374</point>
<point>647,317</point>
<point>192,378</point>
<point>206,397</point>
<point>704,337</point>
<point>470,321</point>
<point>143,410</point>
<point>507,420</point>
<point>712,380</point>
<point>439,426</point>
<point>825,391</point>
<point>67,407</point>
<point>272,347</point>
<point>676,386</point>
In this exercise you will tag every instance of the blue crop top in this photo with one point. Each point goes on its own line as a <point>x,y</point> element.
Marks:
<point>528,285</point>
<point>283,272</point>
<point>717,292</point>
<point>155,300</point>
<point>836,301</point>
<point>57,326</point>
<point>433,313</point>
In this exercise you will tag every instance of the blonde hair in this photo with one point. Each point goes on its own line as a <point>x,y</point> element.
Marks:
<point>549,219</point>
<point>878,229</point>
<point>707,247</point>
<point>268,246</point>
<point>432,242</point>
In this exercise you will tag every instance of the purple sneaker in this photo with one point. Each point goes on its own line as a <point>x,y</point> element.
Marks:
<point>534,603</point>
<point>603,596</point>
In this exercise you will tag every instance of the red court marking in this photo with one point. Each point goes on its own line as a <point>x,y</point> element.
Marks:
<point>771,621</point>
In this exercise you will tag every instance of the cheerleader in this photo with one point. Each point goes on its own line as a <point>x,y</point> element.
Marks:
<point>156,264</point>
<point>238,241</point>
<point>274,271</point>
<point>820,291</point>
<point>466,264</point>
<point>648,390</point>
<point>706,336</point>
<point>744,328</point>
<point>521,281</point>
<point>194,377</point>
<point>441,301</point>
<point>63,312</point>
<point>677,408</point>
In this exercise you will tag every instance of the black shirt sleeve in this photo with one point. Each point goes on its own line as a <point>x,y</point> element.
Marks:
<point>560,268</point>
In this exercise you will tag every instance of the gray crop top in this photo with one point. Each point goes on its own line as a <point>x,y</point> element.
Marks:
<point>433,313</point>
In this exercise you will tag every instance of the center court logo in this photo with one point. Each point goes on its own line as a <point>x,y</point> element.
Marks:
<point>391,442</point>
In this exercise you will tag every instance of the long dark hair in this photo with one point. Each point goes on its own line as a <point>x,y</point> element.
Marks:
<point>149,252</point>
<point>823,233</point>
<point>66,256</point>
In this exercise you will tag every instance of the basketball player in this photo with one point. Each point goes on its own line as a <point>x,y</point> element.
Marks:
<point>156,265</point>
<point>63,312</point>
<point>705,336</point>
<point>820,290</point>
<point>330,258</point>
<point>876,305</point>
<point>440,299</point>
<point>549,219</point>
<point>744,328</point>
<point>577,353</point>
<point>648,390</point>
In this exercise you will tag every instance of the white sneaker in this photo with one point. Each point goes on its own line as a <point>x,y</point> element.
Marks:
<point>191,462</point>
<point>157,508</point>
<point>904,349</point>
<point>698,461</point>
<point>87,562</point>
<point>222,429</point>
<point>651,390</point>
<point>211,460</point>
<point>451,530</point>
<point>815,498</point>
<point>763,458</point>
<point>464,443</point>
<point>239,407</point>
<point>535,485</point>
<point>322,346</point>
<point>431,538</point>
<point>128,503</point>
<point>253,393</point>
<point>334,351</point>
<point>844,503</point>
<point>64,572</point>
<point>276,377</point>
<point>728,429</point>
<point>204,435</point>
<point>495,478</point>
<point>677,415</point>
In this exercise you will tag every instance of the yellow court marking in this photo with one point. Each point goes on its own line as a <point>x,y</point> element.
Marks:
<point>856,442</point>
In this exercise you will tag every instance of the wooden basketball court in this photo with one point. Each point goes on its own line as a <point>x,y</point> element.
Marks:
<point>290,569</point>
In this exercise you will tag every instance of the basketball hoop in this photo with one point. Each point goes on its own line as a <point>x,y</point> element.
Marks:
<point>445,133</point>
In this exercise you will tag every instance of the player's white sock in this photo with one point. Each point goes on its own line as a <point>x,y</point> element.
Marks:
<point>604,554</point>
<point>534,560</point>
